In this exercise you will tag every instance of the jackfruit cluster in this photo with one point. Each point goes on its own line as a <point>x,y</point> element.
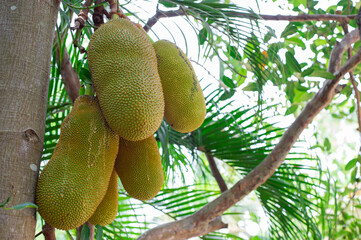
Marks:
<point>139,168</point>
<point>137,83</point>
<point>185,107</point>
<point>123,65</point>
<point>75,180</point>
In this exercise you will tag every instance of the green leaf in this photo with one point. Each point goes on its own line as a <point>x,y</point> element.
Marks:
<point>307,71</point>
<point>353,175</point>
<point>327,144</point>
<point>85,75</point>
<point>289,30</point>
<point>351,164</point>
<point>167,4</point>
<point>227,94</point>
<point>291,109</point>
<point>202,36</point>
<point>19,206</point>
<point>320,42</point>
<point>23,205</point>
<point>99,234</point>
<point>292,62</point>
<point>296,41</point>
<point>322,74</point>
<point>252,86</point>
<point>6,201</point>
<point>233,52</point>
<point>228,82</point>
<point>85,233</point>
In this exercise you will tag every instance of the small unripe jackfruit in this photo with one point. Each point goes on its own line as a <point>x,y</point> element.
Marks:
<point>108,208</point>
<point>185,107</point>
<point>123,65</point>
<point>139,168</point>
<point>75,180</point>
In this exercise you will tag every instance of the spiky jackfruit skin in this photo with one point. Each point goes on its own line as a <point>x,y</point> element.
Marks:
<point>185,107</point>
<point>124,71</point>
<point>139,168</point>
<point>75,180</point>
<point>108,208</point>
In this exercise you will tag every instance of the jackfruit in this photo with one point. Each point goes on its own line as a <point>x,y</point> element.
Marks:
<point>75,180</point>
<point>124,71</point>
<point>108,208</point>
<point>139,168</point>
<point>185,107</point>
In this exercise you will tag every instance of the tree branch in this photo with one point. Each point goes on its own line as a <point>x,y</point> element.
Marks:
<point>217,175</point>
<point>49,232</point>
<point>98,19</point>
<point>114,9</point>
<point>340,49</point>
<point>291,18</point>
<point>79,23</point>
<point>69,77</point>
<point>357,96</point>
<point>352,78</point>
<point>199,221</point>
<point>161,14</point>
<point>300,18</point>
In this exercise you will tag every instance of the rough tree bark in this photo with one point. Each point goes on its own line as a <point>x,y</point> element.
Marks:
<point>27,29</point>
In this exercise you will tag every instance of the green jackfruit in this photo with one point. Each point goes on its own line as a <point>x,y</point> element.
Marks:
<point>185,107</point>
<point>139,168</point>
<point>123,65</point>
<point>108,208</point>
<point>75,180</point>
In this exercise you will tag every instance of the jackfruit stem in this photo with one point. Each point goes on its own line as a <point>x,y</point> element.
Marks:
<point>82,90</point>
<point>89,90</point>
<point>115,11</point>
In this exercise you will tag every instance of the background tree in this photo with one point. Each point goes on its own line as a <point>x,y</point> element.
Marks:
<point>237,140</point>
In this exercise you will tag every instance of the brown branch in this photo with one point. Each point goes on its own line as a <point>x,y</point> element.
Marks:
<point>115,10</point>
<point>344,26</point>
<point>69,77</point>
<point>340,49</point>
<point>359,21</point>
<point>98,19</point>
<point>357,96</point>
<point>291,18</point>
<point>217,175</point>
<point>79,23</point>
<point>191,225</point>
<point>301,18</point>
<point>161,14</point>
<point>49,232</point>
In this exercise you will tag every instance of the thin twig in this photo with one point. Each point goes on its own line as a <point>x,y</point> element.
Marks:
<point>357,95</point>
<point>300,18</point>
<point>215,172</point>
<point>68,75</point>
<point>38,234</point>
<point>114,9</point>
<point>98,19</point>
<point>291,18</point>
<point>344,26</point>
<point>49,232</point>
<point>79,23</point>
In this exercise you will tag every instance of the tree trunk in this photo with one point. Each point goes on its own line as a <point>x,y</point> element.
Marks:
<point>27,29</point>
